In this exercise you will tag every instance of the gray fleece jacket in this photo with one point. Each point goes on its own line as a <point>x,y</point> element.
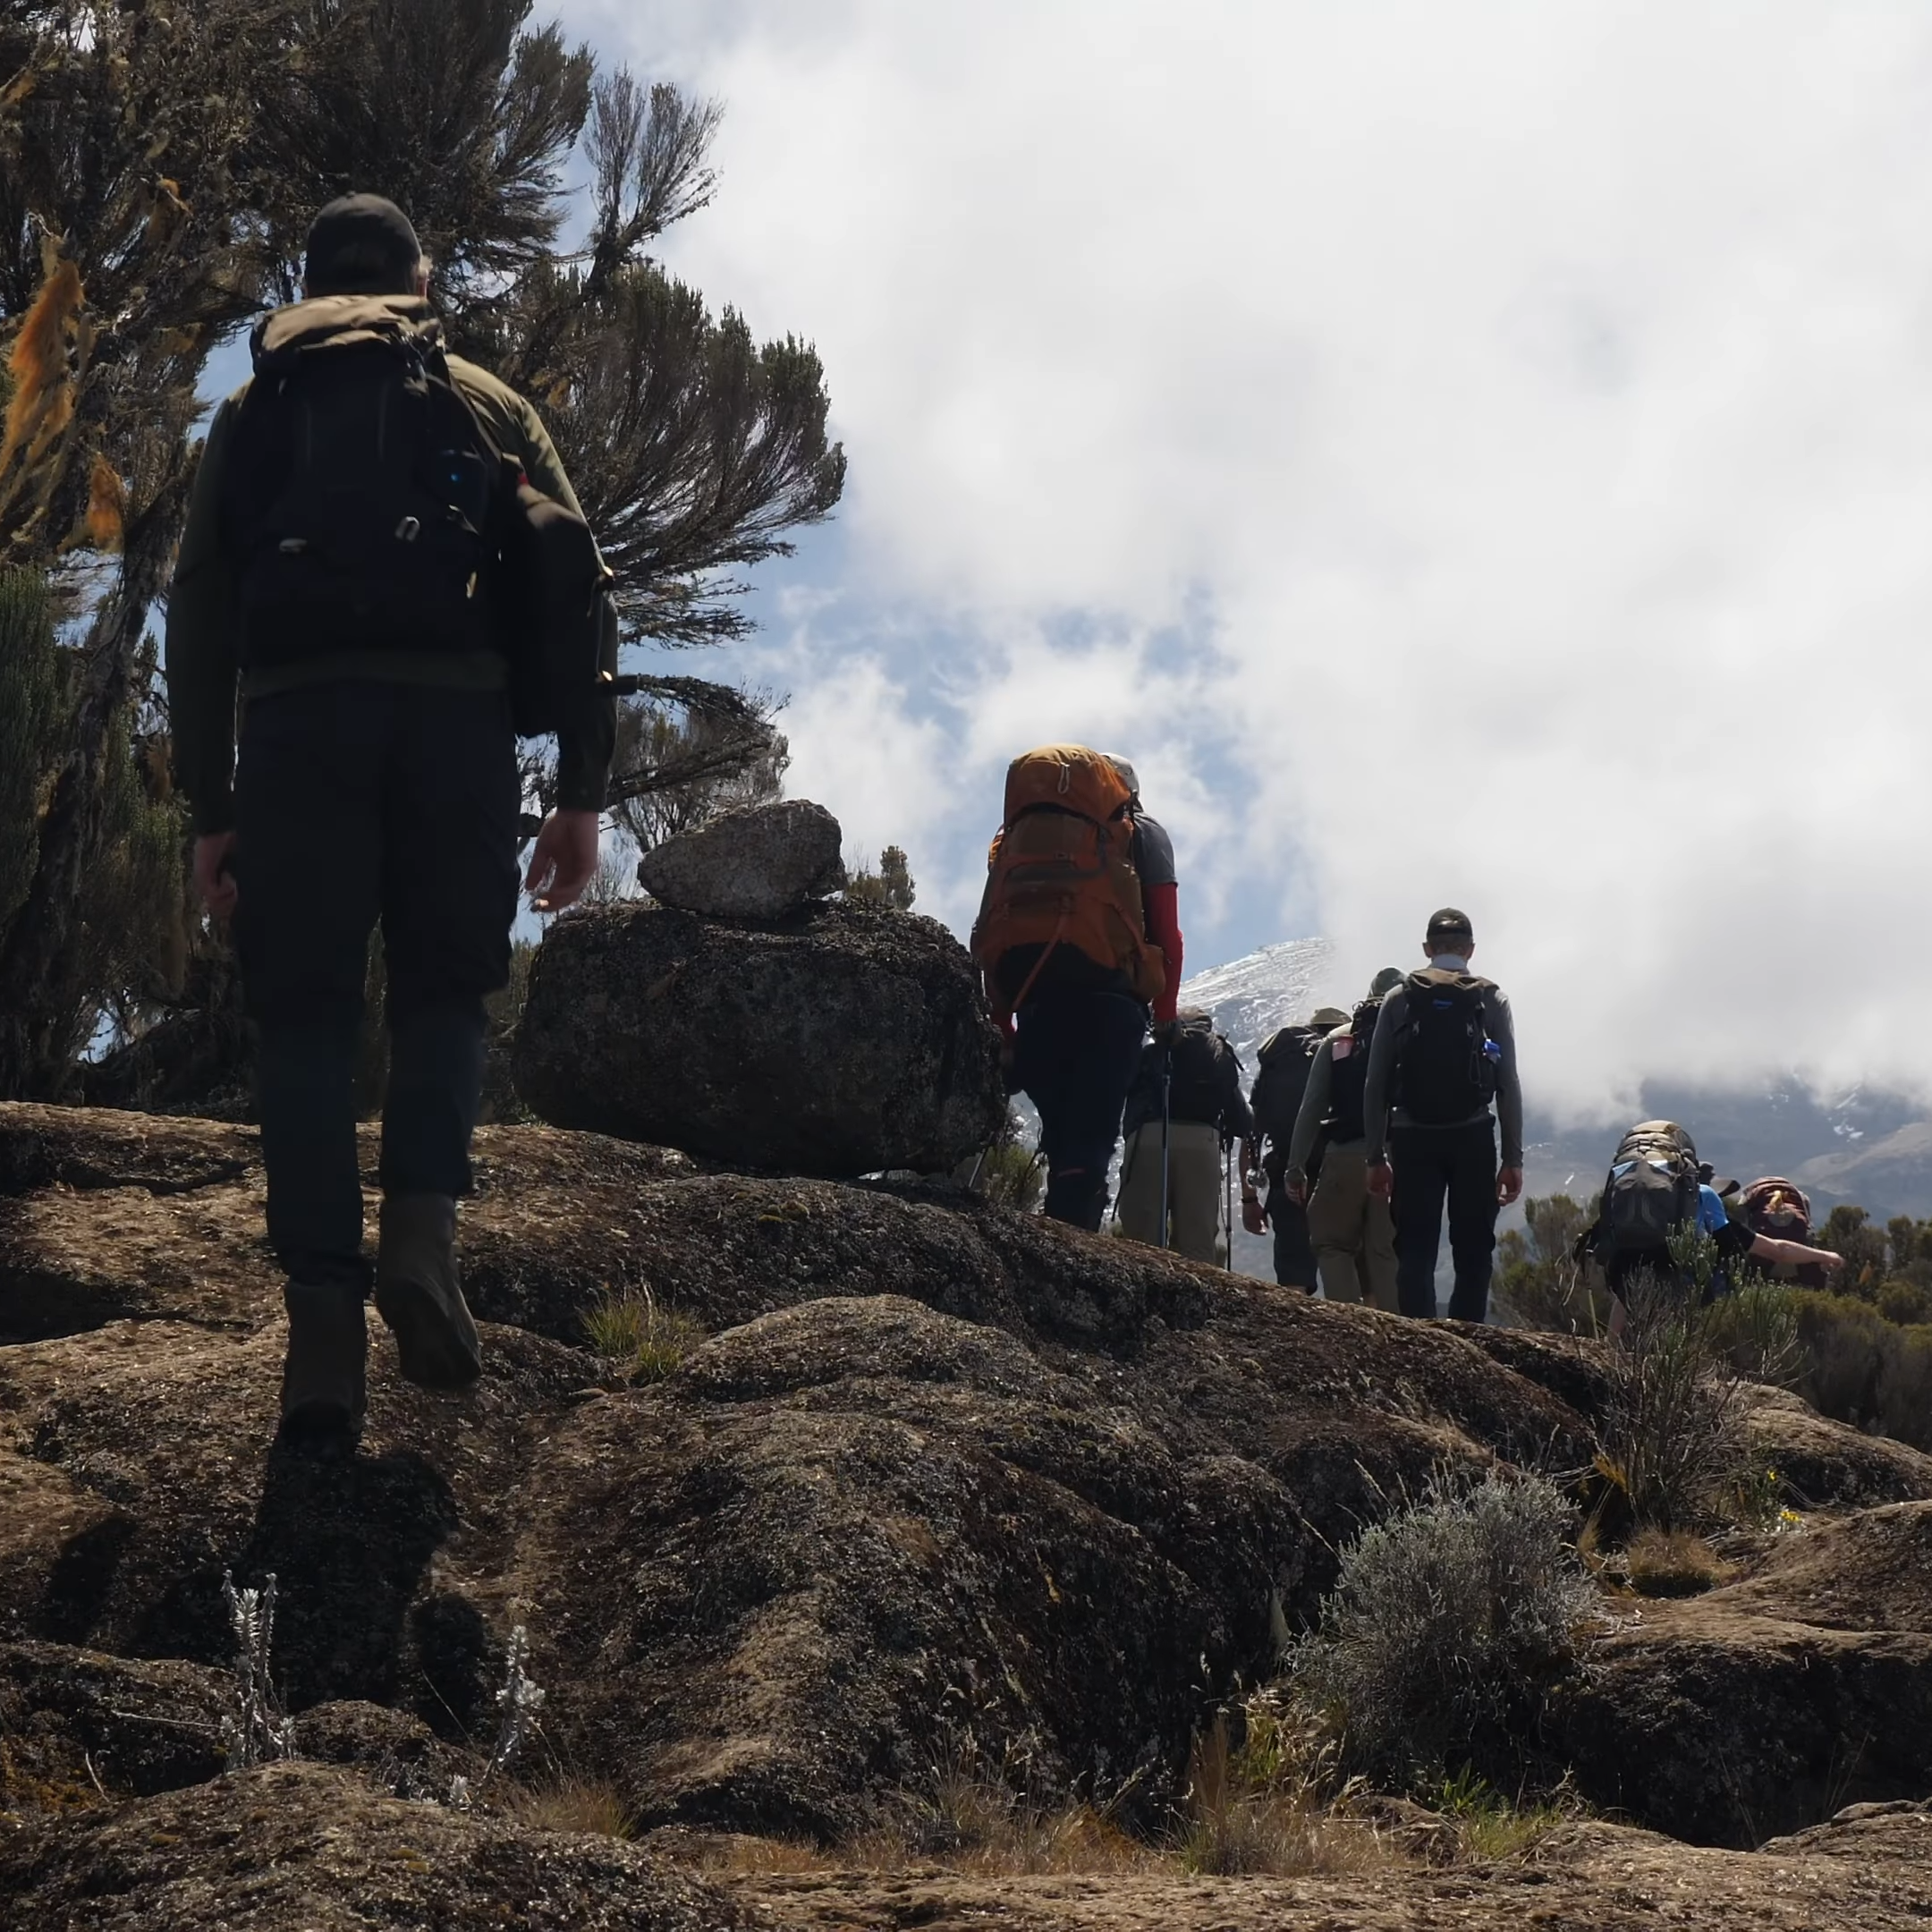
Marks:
<point>1392,1030</point>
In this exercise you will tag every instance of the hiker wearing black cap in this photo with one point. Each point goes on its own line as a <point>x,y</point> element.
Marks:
<point>342,572</point>
<point>1443,1053</point>
<point>1350,1228</point>
<point>1184,1110</point>
<point>1078,942</point>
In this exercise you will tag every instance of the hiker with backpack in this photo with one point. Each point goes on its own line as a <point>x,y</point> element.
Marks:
<point>1781,1210</point>
<point>1185,1108</point>
<point>1282,1078</point>
<point>1079,940</point>
<point>1350,1228</point>
<point>1656,1192</point>
<point>384,559</point>
<point>1443,1057</point>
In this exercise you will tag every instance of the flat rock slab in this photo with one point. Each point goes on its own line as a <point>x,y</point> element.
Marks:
<point>848,1041</point>
<point>759,863</point>
<point>306,1845</point>
<point>1761,1704</point>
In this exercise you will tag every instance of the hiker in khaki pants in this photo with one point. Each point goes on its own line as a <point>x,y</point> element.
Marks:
<point>1206,1112</point>
<point>1352,1234</point>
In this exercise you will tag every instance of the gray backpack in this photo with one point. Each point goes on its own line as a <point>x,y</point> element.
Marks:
<point>1650,1193</point>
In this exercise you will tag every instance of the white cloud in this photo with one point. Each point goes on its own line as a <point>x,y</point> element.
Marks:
<point>1488,449</point>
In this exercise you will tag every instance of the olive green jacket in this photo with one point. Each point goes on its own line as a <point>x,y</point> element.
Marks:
<point>204,675</point>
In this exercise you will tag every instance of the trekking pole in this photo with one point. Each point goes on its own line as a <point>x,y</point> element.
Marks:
<point>1166,1113</point>
<point>1227,1190</point>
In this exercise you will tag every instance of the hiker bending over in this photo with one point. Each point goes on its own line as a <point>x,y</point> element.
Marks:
<point>1285,1058</point>
<point>1445,1050</point>
<point>1781,1210</point>
<point>1079,935</point>
<point>342,565</point>
<point>1189,1079</point>
<point>1656,1192</point>
<point>1353,1234</point>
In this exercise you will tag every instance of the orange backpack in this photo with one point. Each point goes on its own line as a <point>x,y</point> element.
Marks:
<point>1061,872</point>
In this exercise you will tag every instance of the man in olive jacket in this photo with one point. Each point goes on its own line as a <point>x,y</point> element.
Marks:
<point>375,781</point>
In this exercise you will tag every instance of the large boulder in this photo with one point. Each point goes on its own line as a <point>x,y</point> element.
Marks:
<point>759,863</point>
<point>845,1041</point>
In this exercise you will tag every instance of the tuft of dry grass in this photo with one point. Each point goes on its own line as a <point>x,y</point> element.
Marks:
<point>1672,1562</point>
<point>748,1855</point>
<point>572,1804</point>
<point>643,1338</point>
<point>1487,1828</point>
<point>1277,1804</point>
<point>971,1814</point>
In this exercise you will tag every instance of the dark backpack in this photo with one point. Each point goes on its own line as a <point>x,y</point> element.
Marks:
<point>1348,1074</point>
<point>1649,1194</point>
<point>1283,1062</point>
<point>363,498</point>
<point>1447,1071</point>
<point>368,509</point>
<point>1205,1072</point>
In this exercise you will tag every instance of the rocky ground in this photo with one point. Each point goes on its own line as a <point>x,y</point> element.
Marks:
<point>939,1473</point>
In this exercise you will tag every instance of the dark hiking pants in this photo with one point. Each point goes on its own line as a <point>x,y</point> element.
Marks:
<point>1431,1163</point>
<point>1075,1054</point>
<point>358,803</point>
<point>1294,1252</point>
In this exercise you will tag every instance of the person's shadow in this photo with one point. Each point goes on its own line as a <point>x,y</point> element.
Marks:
<point>348,1541</point>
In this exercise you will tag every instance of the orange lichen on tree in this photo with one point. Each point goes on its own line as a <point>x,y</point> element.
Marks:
<point>45,363</point>
<point>106,507</point>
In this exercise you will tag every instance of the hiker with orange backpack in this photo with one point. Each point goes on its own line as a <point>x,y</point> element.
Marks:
<point>1079,937</point>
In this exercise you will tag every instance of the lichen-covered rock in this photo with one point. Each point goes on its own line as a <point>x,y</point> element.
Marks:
<point>759,863</point>
<point>1773,1700</point>
<point>846,1041</point>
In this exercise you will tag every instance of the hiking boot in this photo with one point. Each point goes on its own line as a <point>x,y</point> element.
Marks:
<point>418,1295</point>
<point>324,1390</point>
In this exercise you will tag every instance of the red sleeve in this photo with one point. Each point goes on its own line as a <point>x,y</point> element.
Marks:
<point>1164,929</point>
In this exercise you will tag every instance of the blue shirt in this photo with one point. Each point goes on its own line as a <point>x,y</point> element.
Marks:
<point>1711,1216</point>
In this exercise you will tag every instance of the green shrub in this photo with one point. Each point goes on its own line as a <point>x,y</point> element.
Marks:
<point>1448,1626</point>
<point>1905,1302</point>
<point>1540,1282</point>
<point>1673,1433</point>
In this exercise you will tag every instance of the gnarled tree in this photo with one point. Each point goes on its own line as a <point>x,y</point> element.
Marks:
<point>158,169</point>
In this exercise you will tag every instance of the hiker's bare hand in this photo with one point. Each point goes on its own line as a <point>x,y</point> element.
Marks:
<point>1296,1191</point>
<point>1381,1179</point>
<point>1508,1185</point>
<point>1827,1259</point>
<point>564,860</point>
<point>213,880</point>
<point>1251,1216</point>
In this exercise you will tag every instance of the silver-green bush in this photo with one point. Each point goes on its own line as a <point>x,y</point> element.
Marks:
<point>1448,1626</point>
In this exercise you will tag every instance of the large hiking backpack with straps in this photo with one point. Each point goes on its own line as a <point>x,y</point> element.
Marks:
<point>1649,1194</point>
<point>1778,1208</point>
<point>1283,1063</point>
<point>1060,873</point>
<point>1204,1071</point>
<point>1447,1071</point>
<point>364,499</point>
<point>1346,1119</point>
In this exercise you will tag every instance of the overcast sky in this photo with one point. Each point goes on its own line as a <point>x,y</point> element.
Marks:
<point>1476,454</point>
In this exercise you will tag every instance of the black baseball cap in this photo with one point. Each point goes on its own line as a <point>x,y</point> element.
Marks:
<point>1449,923</point>
<point>361,244</point>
